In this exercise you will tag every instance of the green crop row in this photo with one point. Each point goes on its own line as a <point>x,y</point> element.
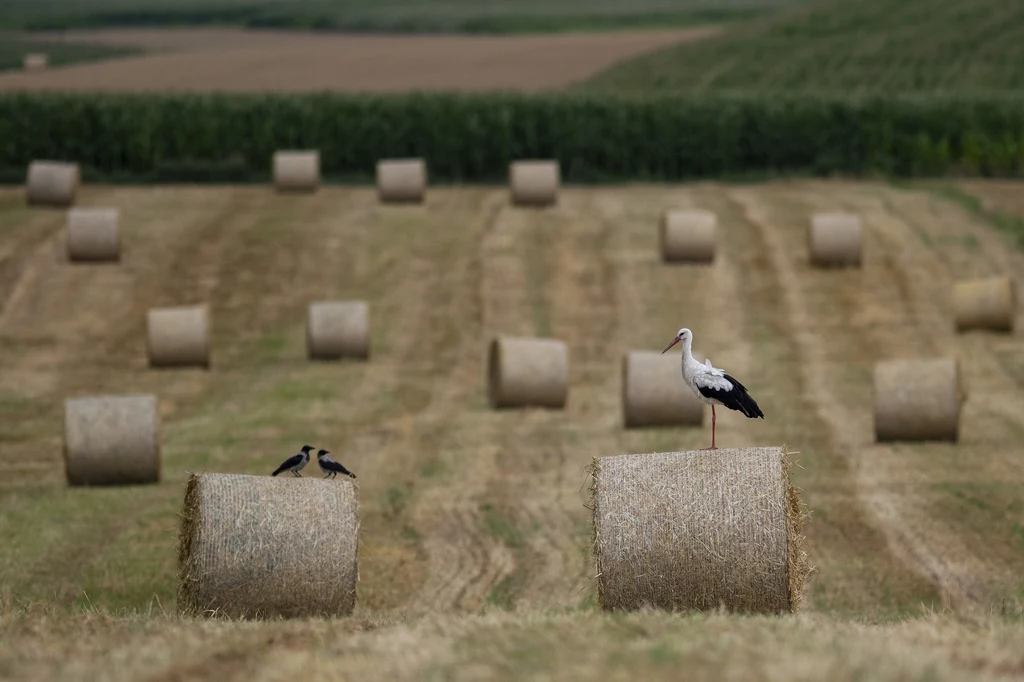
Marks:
<point>474,137</point>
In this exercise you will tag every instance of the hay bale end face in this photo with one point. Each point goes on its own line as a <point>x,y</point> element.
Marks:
<point>112,440</point>
<point>688,236</point>
<point>178,336</point>
<point>835,239</point>
<point>35,61</point>
<point>918,400</point>
<point>94,234</point>
<point>401,180</point>
<point>653,392</point>
<point>262,547</point>
<point>989,303</point>
<point>297,171</point>
<point>698,530</point>
<point>524,372</point>
<point>534,183</point>
<point>52,183</point>
<point>338,329</point>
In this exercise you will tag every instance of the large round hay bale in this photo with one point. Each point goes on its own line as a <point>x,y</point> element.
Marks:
<point>989,303</point>
<point>179,336</point>
<point>297,170</point>
<point>94,234</point>
<point>688,236</point>
<point>534,183</point>
<point>338,329</point>
<point>698,530</point>
<point>918,400</point>
<point>112,440</point>
<point>654,394</point>
<point>835,239</point>
<point>524,372</point>
<point>35,61</point>
<point>52,183</point>
<point>262,547</point>
<point>401,180</point>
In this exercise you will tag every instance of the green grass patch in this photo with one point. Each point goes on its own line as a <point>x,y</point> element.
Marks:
<point>14,48</point>
<point>501,527</point>
<point>1010,225</point>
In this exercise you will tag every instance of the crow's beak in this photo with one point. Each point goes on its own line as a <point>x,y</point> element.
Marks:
<point>674,342</point>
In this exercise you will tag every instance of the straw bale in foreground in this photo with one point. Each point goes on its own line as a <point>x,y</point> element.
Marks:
<point>534,183</point>
<point>262,547</point>
<point>918,400</point>
<point>338,329</point>
<point>654,393</point>
<point>112,440</point>
<point>523,372</point>
<point>94,234</point>
<point>178,336</point>
<point>989,303</point>
<point>401,180</point>
<point>835,239</point>
<point>688,236</point>
<point>52,183</point>
<point>698,530</point>
<point>297,170</point>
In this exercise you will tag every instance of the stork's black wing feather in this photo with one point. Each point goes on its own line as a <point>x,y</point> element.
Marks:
<point>736,398</point>
<point>288,464</point>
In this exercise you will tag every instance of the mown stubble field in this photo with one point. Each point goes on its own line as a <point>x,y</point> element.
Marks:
<point>474,550</point>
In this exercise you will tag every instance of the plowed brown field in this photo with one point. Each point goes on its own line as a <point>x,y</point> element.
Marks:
<point>239,60</point>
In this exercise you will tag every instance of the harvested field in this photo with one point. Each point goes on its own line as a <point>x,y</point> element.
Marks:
<point>242,61</point>
<point>467,510</point>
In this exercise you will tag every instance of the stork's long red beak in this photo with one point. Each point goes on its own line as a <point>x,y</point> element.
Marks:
<point>674,342</point>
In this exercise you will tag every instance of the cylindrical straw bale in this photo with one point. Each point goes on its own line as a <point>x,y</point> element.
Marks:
<point>36,61</point>
<point>524,372</point>
<point>401,180</point>
<point>94,234</point>
<point>112,440</point>
<point>835,239</point>
<point>534,183</point>
<point>179,336</point>
<point>297,171</point>
<point>262,547</point>
<point>989,303</point>
<point>52,183</point>
<point>698,530</point>
<point>338,329</point>
<point>653,392</point>
<point>918,400</point>
<point>688,236</point>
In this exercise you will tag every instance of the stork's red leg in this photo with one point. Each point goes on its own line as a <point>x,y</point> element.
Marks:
<point>713,420</point>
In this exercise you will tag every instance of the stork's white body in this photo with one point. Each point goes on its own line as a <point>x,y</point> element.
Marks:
<point>697,375</point>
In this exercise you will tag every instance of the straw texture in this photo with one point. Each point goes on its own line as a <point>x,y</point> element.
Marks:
<point>112,440</point>
<point>94,234</point>
<point>262,547</point>
<point>534,183</point>
<point>52,183</point>
<point>698,530</point>
<point>525,372</point>
<point>179,336</point>
<point>338,329</point>
<point>918,400</point>
<point>654,394</point>
<point>688,236</point>
<point>401,180</point>
<point>989,303</point>
<point>834,239</point>
<point>297,171</point>
<point>35,61</point>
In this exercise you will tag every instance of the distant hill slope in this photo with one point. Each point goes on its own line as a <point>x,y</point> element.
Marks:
<point>864,45</point>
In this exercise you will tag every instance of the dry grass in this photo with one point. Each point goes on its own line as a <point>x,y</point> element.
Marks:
<point>464,509</point>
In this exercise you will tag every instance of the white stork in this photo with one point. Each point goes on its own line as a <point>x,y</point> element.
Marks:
<point>712,385</point>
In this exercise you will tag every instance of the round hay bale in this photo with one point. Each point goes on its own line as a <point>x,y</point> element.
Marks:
<point>698,530</point>
<point>918,400</point>
<point>688,236</point>
<point>35,61</point>
<point>52,183</point>
<point>401,180</point>
<point>654,394</point>
<point>338,329</point>
<point>523,372</point>
<point>297,171</point>
<point>262,547</point>
<point>112,440</point>
<point>989,303</point>
<point>534,183</point>
<point>835,239</point>
<point>94,234</point>
<point>179,336</point>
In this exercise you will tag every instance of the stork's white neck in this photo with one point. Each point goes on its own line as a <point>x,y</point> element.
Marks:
<point>687,354</point>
